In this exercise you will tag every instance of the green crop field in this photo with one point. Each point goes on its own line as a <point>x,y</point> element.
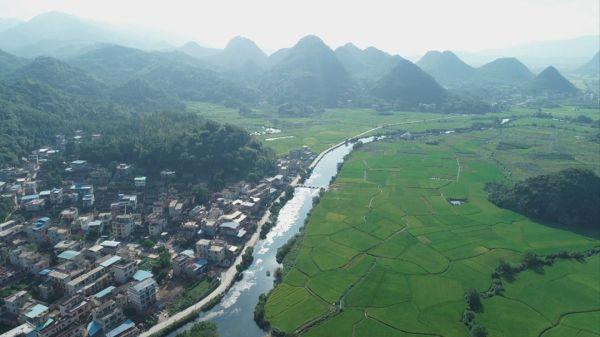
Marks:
<point>385,253</point>
<point>316,131</point>
<point>562,300</point>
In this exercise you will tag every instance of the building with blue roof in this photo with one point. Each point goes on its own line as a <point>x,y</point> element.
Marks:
<point>26,198</point>
<point>110,261</point>
<point>36,313</point>
<point>141,275</point>
<point>126,328</point>
<point>104,292</point>
<point>69,255</point>
<point>93,328</point>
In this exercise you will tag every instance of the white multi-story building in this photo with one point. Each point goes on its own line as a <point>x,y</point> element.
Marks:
<point>142,294</point>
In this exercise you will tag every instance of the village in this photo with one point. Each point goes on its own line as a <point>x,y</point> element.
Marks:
<point>104,251</point>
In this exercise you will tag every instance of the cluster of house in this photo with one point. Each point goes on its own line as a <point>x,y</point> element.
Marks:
<point>73,251</point>
<point>79,292</point>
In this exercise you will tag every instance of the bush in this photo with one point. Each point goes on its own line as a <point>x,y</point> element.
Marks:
<point>202,329</point>
<point>259,312</point>
<point>247,259</point>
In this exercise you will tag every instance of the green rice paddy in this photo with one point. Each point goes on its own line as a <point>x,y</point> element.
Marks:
<point>386,254</point>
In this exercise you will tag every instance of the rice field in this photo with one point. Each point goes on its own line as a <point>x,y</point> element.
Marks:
<point>385,253</point>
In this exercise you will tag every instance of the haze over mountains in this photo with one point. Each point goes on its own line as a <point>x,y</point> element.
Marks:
<point>59,34</point>
<point>567,54</point>
<point>591,68</point>
<point>100,61</point>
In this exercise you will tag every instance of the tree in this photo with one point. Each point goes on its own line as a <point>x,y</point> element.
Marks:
<point>473,299</point>
<point>478,331</point>
<point>505,269</point>
<point>531,259</point>
<point>147,243</point>
<point>202,329</point>
<point>201,194</point>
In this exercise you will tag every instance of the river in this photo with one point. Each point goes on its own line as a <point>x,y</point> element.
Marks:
<point>235,314</point>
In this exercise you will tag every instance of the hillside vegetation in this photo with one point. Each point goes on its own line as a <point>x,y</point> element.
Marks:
<point>569,197</point>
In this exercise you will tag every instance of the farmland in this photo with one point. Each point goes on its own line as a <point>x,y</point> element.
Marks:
<point>318,132</point>
<point>386,254</point>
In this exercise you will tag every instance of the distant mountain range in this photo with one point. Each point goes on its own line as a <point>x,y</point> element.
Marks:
<point>7,23</point>
<point>63,35</point>
<point>85,58</point>
<point>591,68</point>
<point>567,54</point>
<point>449,70</point>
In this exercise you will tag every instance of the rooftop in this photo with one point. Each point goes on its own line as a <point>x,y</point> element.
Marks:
<point>110,261</point>
<point>141,285</point>
<point>36,311</point>
<point>68,255</point>
<point>230,225</point>
<point>104,292</point>
<point>110,243</point>
<point>128,324</point>
<point>141,275</point>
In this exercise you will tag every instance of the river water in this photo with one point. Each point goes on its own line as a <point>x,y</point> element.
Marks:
<point>235,314</point>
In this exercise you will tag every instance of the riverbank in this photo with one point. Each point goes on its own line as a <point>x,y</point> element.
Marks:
<point>228,277</point>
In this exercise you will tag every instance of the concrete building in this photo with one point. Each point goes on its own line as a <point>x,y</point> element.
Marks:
<point>122,226</point>
<point>142,294</point>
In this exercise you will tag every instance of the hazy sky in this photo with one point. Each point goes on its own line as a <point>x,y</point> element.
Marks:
<point>404,27</point>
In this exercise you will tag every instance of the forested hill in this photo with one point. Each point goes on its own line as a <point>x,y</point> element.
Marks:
<point>138,123</point>
<point>217,153</point>
<point>570,197</point>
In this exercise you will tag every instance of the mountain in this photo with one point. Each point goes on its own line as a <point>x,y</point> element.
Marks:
<point>6,23</point>
<point>114,63</point>
<point>370,63</point>
<point>591,68</point>
<point>60,76</point>
<point>174,73</point>
<point>566,53</point>
<point>409,85</point>
<point>447,68</point>
<point>139,92</point>
<point>9,63</point>
<point>309,73</point>
<point>194,49</point>
<point>49,32</point>
<point>505,71</point>
<point>566,198</point>
<point>238,53</point>
<point>63,35</point>
<point>277,56</point>
<point>551,81</point>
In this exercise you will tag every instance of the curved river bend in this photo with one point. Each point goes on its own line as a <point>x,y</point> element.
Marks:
<point>235,314</point>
